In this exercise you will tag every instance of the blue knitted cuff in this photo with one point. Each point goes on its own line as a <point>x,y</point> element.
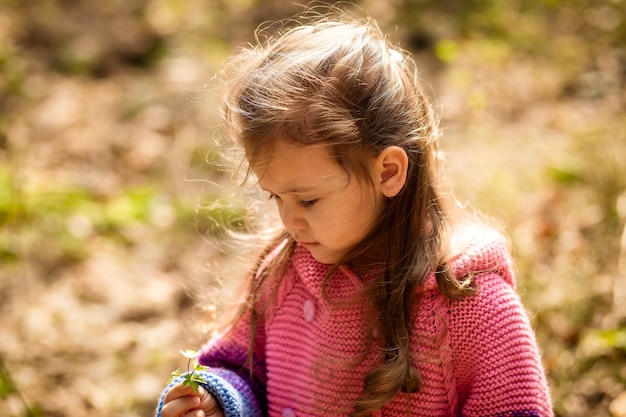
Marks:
<point>233,393</point>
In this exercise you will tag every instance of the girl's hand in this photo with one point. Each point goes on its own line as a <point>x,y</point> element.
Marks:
<point>184,402</point>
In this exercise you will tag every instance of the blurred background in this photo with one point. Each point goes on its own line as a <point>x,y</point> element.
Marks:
<point>107,198</point>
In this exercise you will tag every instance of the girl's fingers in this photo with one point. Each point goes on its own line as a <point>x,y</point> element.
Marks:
<point>183,401</point>
<point>181,406</point>
<point>212,406</point>
<point>196,413</point>
<point>178,391</point>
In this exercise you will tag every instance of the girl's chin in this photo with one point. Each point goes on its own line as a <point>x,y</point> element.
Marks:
<point>321,255</point>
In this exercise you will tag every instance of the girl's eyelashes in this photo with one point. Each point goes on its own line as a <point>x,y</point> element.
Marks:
<point>302,203</point>
<point>307,203</point>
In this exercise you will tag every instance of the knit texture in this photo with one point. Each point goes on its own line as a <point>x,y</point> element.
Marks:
<point>477,356</point>
<point>232,391</point>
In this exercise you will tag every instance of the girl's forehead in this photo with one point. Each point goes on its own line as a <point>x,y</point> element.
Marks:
<point>293,167</point>
<point>283,153</point>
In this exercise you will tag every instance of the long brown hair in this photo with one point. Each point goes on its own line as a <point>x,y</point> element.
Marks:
<point>339,81</point>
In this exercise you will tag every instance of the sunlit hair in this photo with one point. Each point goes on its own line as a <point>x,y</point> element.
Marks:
<point>339,81</point>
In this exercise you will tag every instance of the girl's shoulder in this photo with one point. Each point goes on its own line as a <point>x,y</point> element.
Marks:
<point>479,251</point>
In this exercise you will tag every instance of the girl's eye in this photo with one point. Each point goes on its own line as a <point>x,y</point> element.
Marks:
<point>302,203</point>
<point>307,203</point>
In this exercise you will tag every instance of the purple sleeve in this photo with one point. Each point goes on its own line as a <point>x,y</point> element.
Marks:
<point>233,393</point>
<point>227,356</point>
<point>231,353</point>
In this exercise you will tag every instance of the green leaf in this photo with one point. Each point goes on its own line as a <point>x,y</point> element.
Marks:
<point>198,367</point>
<point>198,379</point>
<point>190,382</point>
<point>174,374</point>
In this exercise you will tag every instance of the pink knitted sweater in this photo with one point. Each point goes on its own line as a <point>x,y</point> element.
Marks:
<point>476,357</point>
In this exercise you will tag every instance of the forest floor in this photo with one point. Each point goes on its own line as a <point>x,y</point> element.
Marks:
<point>107,196</point>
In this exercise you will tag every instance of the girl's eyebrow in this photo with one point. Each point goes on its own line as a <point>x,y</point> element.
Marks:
<point>297,190</point>
<point>293,190</point>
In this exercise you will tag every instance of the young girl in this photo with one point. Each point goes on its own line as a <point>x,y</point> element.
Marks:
<point>379,297</point>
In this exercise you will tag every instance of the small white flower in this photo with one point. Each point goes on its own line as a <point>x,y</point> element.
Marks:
<point>189,354</point>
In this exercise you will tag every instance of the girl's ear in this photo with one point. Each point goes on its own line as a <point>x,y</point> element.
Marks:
<point>391,167</point>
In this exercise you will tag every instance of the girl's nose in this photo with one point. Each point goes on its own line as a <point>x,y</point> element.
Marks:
<point>291,218</point>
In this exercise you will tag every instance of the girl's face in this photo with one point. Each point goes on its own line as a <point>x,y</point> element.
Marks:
<point>322,208</point>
